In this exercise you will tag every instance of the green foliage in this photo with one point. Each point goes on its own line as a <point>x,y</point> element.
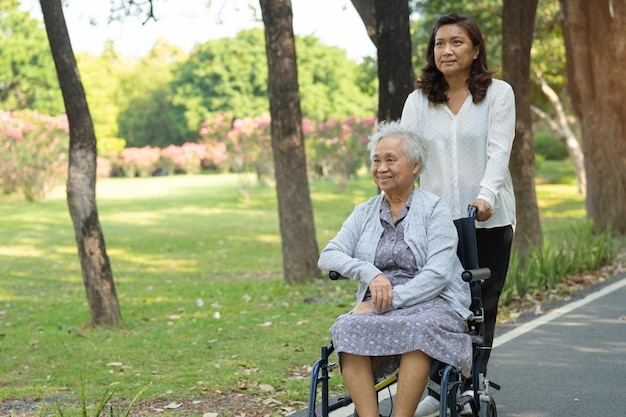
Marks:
<point>223,76</point>
<point>147,114</point>
<point>101,79</point>
<point>331,85</point>
<point>162,98</point>
<point>554,172</point>
<point>550,147</point>
<point>230,76</point>
<point>576,249</point>
<point>27,74</point>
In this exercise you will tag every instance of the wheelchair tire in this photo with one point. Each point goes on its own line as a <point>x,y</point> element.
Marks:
<point>488,408</point>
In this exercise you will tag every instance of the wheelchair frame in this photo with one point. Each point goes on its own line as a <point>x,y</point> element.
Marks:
<point>481,402</point>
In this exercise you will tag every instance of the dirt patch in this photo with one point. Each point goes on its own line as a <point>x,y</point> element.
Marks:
<point>234,405</point>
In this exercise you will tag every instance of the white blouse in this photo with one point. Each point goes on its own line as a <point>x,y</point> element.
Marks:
<point>468,153</point>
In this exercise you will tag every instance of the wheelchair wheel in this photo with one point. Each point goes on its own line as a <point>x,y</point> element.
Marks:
<point>488,408</point>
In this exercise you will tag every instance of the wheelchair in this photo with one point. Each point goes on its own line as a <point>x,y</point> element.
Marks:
<point>481,402</point>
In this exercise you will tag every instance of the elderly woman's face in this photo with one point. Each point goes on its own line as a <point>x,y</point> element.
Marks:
<point>391,169</point>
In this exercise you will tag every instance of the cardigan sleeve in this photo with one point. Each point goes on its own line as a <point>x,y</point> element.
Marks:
<point>345,253</point>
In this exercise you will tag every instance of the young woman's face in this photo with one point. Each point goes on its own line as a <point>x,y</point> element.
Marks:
<point>454,51</point>
<point>391,169</point>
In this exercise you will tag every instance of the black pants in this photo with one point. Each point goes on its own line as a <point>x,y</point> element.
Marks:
<point>494,252</point>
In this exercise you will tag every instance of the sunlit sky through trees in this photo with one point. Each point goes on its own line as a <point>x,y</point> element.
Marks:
<point>187,22</point>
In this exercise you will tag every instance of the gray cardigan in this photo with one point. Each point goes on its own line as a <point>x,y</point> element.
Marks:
<point>430,234</point>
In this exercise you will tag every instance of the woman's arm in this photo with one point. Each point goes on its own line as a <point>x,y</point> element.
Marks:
<point>500,135</point>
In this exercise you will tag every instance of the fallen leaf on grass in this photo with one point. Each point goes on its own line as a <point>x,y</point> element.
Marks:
<point>209,415</point>
<point>269,401</point>
<point>173,405</point>
<point>266,388</point>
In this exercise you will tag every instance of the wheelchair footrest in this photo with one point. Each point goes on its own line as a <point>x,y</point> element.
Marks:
<point>494,385</point>
<point>339,402</point>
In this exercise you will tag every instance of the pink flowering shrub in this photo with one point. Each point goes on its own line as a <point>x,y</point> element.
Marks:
<point>104,167</point>
<point>338,148</point>
<point>34,152</point>
<point>142,162</point>
<point>251,146</point>
<point>239,145</point>
<point>185,159</point>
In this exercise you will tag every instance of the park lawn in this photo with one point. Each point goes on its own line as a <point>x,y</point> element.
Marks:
<point>197,266</point>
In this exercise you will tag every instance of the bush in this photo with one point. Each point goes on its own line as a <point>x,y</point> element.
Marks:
<point>142,162</point>
<point>581,248</point>
<point>34,153</point>
<point>549,147</point>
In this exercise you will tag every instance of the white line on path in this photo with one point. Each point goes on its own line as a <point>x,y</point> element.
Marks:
<point>525,328</point>
<point>510,335</point>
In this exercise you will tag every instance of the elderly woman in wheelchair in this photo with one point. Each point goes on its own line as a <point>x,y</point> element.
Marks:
<point>412,305</point>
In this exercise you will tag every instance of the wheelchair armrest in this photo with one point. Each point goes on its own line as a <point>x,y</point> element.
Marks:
<point>334,275</point>
<point>480,274</point>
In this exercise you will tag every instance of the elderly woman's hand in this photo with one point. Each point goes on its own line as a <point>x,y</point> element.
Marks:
<point>364,308</point>
<point>382,292</point>
<point>483,209</point>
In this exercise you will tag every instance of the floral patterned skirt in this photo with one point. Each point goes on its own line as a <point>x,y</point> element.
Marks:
<point>432,327</point>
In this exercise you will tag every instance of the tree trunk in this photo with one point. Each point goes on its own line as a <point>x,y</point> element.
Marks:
<point>595,44</point>
<point>81,194</point>
<point>562,130</point>
<point>518,24</point>
<point>297,228</point>
<point>395,70</point>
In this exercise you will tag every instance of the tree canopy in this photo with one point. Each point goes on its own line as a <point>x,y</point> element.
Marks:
<point>27,76</point>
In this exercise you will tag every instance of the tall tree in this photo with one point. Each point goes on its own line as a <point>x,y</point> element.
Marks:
<point>387,24</point>
<point>81,195</point>
<point>297,228</point>
<point>595,43</point>
<point>395,70</point>
<point>518,25</point>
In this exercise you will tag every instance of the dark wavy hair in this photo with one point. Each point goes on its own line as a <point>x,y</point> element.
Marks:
<point>431,80</point>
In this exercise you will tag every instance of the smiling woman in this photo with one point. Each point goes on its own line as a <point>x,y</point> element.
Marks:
<point>186,23</point>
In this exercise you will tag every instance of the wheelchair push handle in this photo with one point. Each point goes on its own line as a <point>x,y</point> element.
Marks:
<point>471,211</point>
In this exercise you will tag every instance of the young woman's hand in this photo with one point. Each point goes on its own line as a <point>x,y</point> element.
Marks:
<point>483,209</point>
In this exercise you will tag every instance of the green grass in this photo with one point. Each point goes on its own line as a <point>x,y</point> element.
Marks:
<point>197,267</point>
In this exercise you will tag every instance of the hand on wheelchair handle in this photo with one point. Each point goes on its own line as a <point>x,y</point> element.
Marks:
<point>482,210</point>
